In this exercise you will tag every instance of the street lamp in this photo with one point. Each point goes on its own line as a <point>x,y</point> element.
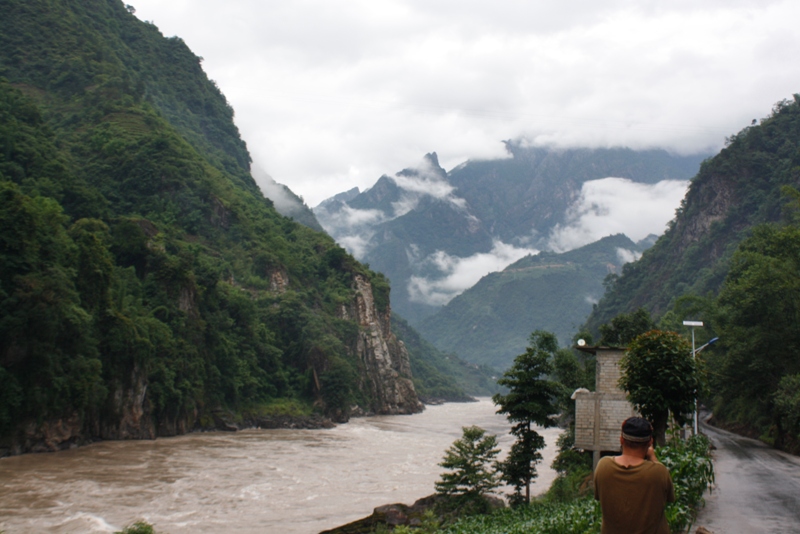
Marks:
<point>693,324</point>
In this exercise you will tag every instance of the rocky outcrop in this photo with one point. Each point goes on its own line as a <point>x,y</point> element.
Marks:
<point>385,360</point>
<point>395,515</point>
<point>131,411</point>
<point>48,436</point>
<point>278,281</point>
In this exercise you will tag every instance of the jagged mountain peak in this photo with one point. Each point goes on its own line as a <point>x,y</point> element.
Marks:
<point>425,227</point>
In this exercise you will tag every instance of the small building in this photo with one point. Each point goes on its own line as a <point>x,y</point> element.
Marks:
<point>599,414</point>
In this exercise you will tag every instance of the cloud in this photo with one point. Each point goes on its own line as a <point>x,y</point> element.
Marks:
<point>356,244</point>
<point>285,202</point>
<point>352,228</point>
<point>617,205</point>
<point>425,181</point>
<point>454,274</point>
<point>331,94</point>
<point>627,256</point>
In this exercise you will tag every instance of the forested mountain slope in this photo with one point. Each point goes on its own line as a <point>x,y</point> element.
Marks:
<point>146,285</point>
<point>734,191</point>
<point>490,323</point>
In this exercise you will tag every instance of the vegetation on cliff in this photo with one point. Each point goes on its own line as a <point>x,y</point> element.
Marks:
<point>146,285</point>
<point>730,259</point>
<point>734,191</point>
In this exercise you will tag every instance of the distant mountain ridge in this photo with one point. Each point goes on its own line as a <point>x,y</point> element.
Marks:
<point>490,322</point>
<point>417,225</point>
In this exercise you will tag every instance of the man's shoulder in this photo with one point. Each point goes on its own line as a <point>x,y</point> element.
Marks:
<point>606,462</point>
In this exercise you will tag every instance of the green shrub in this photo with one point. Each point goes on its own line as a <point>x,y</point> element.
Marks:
<point>689,463</point>
<point>140,527</point>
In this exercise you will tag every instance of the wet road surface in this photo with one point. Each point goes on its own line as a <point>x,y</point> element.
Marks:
<point>757,488</point>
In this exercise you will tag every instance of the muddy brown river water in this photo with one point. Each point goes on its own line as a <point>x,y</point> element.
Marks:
<point>253,481</point>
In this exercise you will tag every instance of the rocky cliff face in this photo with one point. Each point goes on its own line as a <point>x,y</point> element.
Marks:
<point>387,369</point>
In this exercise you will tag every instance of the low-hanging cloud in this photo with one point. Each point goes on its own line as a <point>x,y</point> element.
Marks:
<point>457,274</point>
<point>285,203</point>
<point>627,256</point>
<point>618,206</point>
<point>425,181</point>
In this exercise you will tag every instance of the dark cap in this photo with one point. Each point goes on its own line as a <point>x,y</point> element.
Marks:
<point>637,430</point>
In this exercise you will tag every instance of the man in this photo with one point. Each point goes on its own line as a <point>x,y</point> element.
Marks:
<point>634,487</point>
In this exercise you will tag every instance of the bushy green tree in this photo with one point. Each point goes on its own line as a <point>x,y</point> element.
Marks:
<point>758,318</point>
<point>530,401</point>
<point>787,404</point>
<point>472,472</point>
<point>660,376</point>
<point>625,327</point>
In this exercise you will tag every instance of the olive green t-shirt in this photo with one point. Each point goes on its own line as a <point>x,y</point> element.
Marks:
<point>632,499</point>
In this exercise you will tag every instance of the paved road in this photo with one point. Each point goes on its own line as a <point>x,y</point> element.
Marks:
<point>757,488</point>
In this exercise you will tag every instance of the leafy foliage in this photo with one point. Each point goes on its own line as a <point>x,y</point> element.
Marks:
<point>660,376</point>
<point>137,255</point>
<point>691,469</point>
<point>787,404</point>
<point>626,327</point>
<point>734,191</point>
<point>530,401</point>
<point>470,462</point>
<point>756,318</point>
<point>140,527</point>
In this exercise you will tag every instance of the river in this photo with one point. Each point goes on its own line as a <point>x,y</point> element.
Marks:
<point>252,481</point>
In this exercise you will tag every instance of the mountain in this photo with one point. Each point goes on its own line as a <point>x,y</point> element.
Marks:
<point>733,192</point>
<point>490,322</point>
<point>147,287</point>
<point>286,202</point>
<point>420,226</point>
<point>443,376</point>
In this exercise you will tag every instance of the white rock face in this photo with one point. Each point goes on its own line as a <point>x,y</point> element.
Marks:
<point>387,369</point>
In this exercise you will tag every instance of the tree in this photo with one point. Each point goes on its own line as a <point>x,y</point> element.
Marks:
<point>660,376</point>
<point>759,326</point>
<point>471,464</point>
<point>625,327</point>
<point>530,400</point>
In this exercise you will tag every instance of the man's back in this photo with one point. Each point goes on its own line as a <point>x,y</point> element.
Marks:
<point>633,498</point>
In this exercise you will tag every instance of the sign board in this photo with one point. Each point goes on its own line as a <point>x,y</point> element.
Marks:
<point>692,323</point>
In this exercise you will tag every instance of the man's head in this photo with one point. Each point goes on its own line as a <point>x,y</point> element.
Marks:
<point>637,433</point>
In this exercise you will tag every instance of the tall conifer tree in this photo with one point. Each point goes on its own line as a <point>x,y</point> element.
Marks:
<point>530,401</point>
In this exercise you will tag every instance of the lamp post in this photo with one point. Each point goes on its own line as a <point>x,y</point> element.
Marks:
<point>694,355</point>
<point>693,324</point>
<point>694,358</point>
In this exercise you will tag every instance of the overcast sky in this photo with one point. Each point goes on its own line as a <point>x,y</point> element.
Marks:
<point>330,94</point>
